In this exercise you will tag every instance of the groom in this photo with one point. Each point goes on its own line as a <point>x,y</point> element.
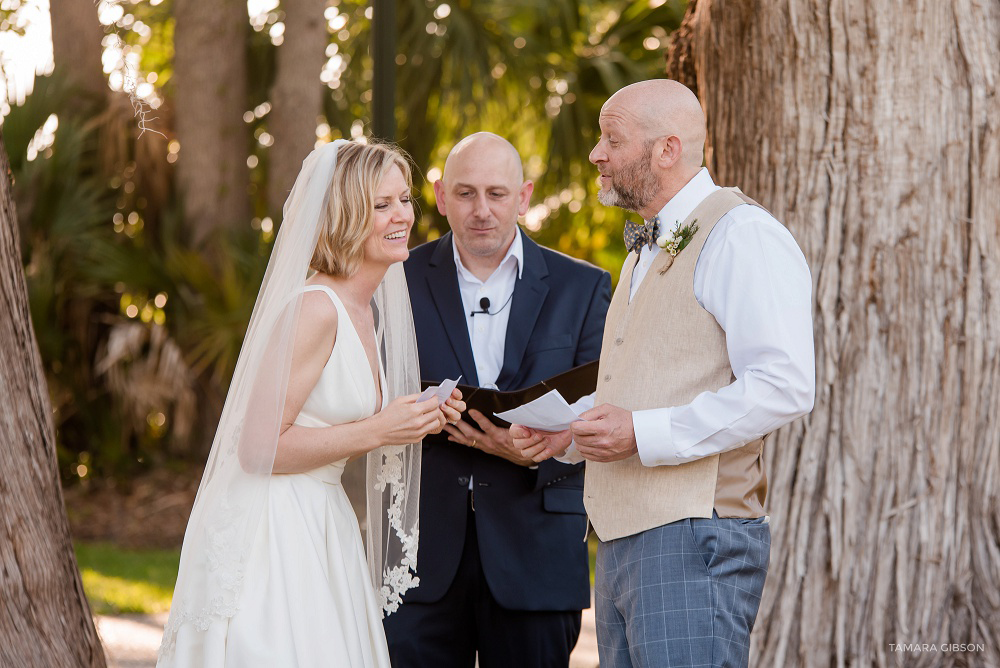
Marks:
<point>708,348</point>
<point>502,559</point>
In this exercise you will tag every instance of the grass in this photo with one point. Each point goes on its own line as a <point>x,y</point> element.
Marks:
<point>117,580</point>
<point>121,581</point>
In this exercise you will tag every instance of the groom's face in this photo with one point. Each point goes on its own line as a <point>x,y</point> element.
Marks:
<point>624,157</point>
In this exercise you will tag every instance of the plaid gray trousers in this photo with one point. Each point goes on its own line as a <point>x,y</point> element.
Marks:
<point>685,594</point>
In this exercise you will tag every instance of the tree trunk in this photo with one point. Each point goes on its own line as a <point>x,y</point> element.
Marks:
<point>44,617</point>
<point>870,128</point>
<point>76,46</point>
<point>297,96</point>
<point>210,99</point>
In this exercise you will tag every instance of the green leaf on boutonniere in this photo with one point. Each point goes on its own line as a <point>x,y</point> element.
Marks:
<point>675,243</point>
<point>685,234</point>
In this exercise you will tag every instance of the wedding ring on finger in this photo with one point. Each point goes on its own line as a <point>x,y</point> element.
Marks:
<point>473,442</point>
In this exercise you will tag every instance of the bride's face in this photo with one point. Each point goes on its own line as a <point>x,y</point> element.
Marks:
<point>393,218</point>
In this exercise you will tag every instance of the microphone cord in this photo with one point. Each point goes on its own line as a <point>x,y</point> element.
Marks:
<point>484,304</point>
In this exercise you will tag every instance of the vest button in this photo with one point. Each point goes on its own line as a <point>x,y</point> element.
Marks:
<point>619,341</point>
<point>607,377</point>
<point>463,481</point>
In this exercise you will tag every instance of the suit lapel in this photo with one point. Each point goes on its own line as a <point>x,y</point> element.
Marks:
<point>442,279</point>
<point>526,304</point>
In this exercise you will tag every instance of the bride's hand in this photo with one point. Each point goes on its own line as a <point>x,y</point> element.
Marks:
<point>453,407</point>
<point>406,421</point>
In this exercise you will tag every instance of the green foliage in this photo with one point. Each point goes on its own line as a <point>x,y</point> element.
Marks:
<point>121,581</point>
<point>139,329</point>
<point>607,52</point>
<point>216,293</point>
<point>536,73</point>
<point>64,208</point>
<point>101,254</point>
<point>158,48</point>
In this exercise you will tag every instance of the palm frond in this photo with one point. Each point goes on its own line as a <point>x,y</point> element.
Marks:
<point>146,372</point>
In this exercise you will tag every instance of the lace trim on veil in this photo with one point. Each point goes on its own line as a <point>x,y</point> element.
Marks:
<point>399,579</point>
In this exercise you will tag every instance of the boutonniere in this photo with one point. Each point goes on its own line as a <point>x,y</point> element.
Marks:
<point>675,243</point>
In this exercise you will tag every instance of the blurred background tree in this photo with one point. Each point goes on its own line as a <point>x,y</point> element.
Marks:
<point>145,230</point>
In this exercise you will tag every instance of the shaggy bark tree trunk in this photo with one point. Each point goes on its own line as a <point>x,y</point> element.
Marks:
<point>76,46</point>
<point>871,128</point>
<point>210,99</point>
<point>296,97</point>
<point>44,617</point>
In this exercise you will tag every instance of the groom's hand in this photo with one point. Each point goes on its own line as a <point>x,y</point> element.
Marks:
<point>605,434</point>
<point>538,445</point>
<point>489,438</point>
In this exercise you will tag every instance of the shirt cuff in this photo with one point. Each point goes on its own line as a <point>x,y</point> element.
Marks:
<point>572,455</point>
<point>653,437</point>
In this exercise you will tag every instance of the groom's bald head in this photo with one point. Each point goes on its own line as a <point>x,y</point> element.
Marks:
<point>663,107</point>
<point>652,143</point>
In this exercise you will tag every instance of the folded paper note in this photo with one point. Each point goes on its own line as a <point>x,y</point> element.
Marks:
<point>441,392</point>
<point>549,412</point>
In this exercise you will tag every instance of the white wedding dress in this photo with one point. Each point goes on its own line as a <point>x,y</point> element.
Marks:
<point>307,599</point>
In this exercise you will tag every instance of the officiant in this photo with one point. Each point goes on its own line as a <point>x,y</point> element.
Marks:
<point>503,562</point>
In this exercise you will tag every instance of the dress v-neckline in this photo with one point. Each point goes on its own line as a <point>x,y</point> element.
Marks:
<point>379,376</point>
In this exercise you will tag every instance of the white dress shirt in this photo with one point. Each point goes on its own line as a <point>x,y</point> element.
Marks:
<point>752,277</point>
<point>488,333</point>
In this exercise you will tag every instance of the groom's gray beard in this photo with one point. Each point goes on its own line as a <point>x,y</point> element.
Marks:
<point>637,185</point>
<point>630,199</point>
<point>609,197</point>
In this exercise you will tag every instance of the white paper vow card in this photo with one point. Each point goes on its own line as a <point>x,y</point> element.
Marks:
<point>549,412</point>
<point>441,392</point>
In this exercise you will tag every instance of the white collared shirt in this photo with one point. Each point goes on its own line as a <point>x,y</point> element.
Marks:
<point>752,277</point>
<point>488,333</point>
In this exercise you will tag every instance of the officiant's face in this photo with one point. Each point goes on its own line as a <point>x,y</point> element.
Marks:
<point>482,194</point>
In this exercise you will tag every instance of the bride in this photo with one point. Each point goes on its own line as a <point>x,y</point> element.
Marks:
<point>272,571</point>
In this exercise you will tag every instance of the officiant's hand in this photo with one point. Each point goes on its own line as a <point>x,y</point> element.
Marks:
<point>605,434</point>
<point>489,438</point>
<point>538,445</point>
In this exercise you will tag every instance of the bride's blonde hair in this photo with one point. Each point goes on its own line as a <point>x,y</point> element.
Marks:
<point>351,206</point>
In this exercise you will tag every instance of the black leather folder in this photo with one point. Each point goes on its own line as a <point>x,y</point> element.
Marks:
<point>573,384</point>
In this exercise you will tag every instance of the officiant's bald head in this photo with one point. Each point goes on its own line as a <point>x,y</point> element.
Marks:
<point>485,145</point>
<point>652,143</point>
<point>481,193</point>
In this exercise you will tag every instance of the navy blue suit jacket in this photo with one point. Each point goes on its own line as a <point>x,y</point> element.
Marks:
<point>530,522</point>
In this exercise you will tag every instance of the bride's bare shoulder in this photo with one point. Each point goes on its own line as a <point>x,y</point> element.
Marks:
<point>318,318</point>
<point>319,304</point>
<point>317,308</point>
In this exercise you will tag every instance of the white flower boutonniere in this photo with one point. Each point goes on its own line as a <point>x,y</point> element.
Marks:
<point>674,243</point>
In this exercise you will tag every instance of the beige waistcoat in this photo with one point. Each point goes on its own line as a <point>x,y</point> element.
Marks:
<point>663,349</point>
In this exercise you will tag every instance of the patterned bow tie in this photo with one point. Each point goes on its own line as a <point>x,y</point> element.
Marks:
<point>639,235</point>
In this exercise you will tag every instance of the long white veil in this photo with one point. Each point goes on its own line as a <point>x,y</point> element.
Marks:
<point>233,492</point>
